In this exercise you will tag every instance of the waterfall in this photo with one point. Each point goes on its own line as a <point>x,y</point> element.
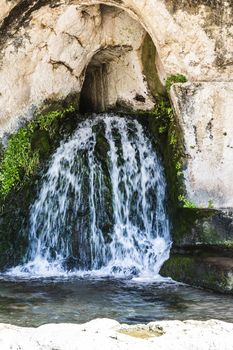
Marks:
<point>101,207</point>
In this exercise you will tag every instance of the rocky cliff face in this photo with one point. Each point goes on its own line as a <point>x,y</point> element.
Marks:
<point>205,111</point>
<point>48,56</point>
<point>49,48</point>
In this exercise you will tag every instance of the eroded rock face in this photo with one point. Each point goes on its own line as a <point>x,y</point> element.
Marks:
<point>205,111</point>
<point>47,59</point>
<point>46,47</point>
<point>5,7</point>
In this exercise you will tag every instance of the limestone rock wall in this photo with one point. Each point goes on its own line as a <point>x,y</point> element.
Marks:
<point>46,47</point>
<point>205,114</point>
<point>5,7</point>
<point>47,59</point>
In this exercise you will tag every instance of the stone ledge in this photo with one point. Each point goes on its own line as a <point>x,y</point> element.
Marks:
<point>212,272</point>
<point>102,334</point>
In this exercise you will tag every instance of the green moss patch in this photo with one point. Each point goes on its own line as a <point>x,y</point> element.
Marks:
<point>190,226</point>
<point>213,272</point>
<point>177,78</point>
<point>26,148</point>
<point>163,125</point>
<point>22,164</point>
<point>179,267</point>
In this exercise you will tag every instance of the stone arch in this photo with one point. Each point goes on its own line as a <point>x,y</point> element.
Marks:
<point>121,73</point>
<point>154,18</point>
<point>41,59</point>
<point>49,57</point>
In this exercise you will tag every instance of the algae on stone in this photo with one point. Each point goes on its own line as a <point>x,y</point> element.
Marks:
<point>209,272</point>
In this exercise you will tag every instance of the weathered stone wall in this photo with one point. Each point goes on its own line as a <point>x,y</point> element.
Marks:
<point>205,112</point>
<point>46,47</point>
<point>47,58</point>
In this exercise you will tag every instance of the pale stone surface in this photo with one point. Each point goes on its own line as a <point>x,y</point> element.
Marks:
<point>55,51</point>
<point>205,113</point>
<point>46,56</point>
<point>5,7</point>
<point>102,334</point>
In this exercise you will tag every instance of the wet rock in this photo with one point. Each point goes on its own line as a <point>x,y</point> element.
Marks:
<point>212,272</point>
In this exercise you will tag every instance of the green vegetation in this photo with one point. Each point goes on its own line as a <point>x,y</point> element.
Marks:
<point>17,159</point>
<point>210,204</point>
<point>198,271</point>
<point>179,168</point>
<point>22,163</point>
<point>164,126</point>
<point>178,267</point>
<point>178,78</point>
<point>22,155</point>
<point>187,218</point>
<point>227,244</point>
<point>185,202</point>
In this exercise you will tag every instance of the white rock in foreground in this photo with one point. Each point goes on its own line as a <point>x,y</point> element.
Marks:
<point>101,334</point>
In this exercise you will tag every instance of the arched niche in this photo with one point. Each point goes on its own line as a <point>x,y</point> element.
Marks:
<point>122,75</point>
<point>66,46</point>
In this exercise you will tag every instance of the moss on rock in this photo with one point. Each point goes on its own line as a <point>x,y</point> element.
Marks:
<point>175,78</point>
<point>209,272</point>
<point>163,126</point>
<point>26,147</point>
<point>22,162</point>
<point>192,227</point>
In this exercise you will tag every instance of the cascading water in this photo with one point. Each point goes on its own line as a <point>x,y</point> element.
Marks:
<point>101,207</point>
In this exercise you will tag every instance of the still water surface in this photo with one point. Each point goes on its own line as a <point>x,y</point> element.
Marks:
<point>78,300</point>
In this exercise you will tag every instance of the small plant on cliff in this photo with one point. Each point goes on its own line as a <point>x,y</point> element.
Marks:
<point>178,78</point>
<point>44,121</point>
<point>163,114</point>
<point>20,160</point>
<point>185,202</point>
<point>178,168</point>
<point>210,204</point>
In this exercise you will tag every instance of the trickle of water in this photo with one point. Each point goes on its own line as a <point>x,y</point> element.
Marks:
<point>101,207</point>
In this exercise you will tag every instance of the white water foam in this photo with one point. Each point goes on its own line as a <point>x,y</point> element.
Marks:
<point>67,221</point>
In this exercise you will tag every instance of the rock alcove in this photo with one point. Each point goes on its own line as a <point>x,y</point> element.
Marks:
<point>122,73</point>
<point>98,49</point>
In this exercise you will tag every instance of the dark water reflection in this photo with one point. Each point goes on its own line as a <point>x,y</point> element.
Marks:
<point>35,302</point>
